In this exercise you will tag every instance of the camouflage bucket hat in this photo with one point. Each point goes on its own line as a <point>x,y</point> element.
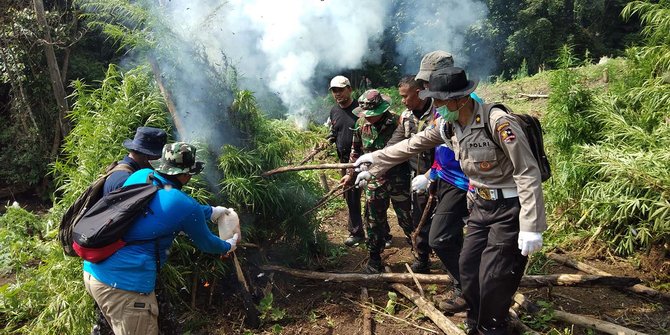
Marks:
<point>178,158</point>
<point>373,103</point>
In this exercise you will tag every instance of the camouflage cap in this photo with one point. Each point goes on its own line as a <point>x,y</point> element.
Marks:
<point>373,103</point>
<point>178,158</point>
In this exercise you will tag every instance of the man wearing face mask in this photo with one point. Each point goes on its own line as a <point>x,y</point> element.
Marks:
<point>507,215</point>
<point>372,131</point>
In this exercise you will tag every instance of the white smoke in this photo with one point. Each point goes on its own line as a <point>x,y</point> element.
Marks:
<point>436,25</point>
<point>290,49</point>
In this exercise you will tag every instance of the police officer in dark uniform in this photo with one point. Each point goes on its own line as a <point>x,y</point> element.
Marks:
<point>507,215</point>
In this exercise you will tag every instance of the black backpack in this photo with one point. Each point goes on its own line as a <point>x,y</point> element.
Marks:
<point>88,198</point>
<point>99,233</point>
<point>533,131</point>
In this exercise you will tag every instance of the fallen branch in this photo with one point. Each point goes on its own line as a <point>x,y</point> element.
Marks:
<point>424,217</point>
<point>428,310</point>
<point>521,327</point>
<point>308,167</point>
<point>407,278</point>
<point>330,195</point>
<point>315,151</point>
<point>638,288</point>
<point>579,320</point>
<point>361,277</point>
<point>533,96</point>
<point>382,312</point>
<point>416,281</point>
<point>367,315</point>
<point>577,280</point>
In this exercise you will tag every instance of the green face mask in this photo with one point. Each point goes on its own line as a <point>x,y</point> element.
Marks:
<point>448,115</point>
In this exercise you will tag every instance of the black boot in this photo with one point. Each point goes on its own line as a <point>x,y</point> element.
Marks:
<point>421,265</point>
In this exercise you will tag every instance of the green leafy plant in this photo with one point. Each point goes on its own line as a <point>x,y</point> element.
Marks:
<point>270,313</point>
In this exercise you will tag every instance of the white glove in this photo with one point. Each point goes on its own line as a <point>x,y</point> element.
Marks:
<point>529,242</point>
<point>233,243</point>
<point>420,184</point>
<point>364,162</point>
<point>217,212</point>
<point>362,179</point>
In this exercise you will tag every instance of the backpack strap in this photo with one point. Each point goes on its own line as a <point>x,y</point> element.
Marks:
<point>487,119</point>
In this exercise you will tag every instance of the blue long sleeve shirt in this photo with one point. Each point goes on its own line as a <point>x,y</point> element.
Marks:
<point>133,267</point>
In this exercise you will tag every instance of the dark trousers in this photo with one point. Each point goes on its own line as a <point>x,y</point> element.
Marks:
<point>419,202</point>
<point>491,263</point>
<point>355,221</point>
<point>446,230</point>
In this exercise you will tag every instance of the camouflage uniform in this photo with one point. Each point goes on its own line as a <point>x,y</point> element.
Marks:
<point>393,186</point>
<point>410,125</point>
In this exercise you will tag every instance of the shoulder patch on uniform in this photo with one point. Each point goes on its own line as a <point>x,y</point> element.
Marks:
<point>502,126</point>
<point>506,135</point>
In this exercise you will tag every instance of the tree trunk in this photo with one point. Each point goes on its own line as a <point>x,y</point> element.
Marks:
<point>638,288</point>
<point>407,278</point>
<point>54,72</point>
<point>181,132</point>
<point>580,320</point>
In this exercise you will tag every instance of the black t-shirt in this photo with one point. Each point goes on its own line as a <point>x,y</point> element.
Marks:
<point>342,122</point>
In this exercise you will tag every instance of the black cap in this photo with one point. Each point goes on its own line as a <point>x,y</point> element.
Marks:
<point>449,83</point>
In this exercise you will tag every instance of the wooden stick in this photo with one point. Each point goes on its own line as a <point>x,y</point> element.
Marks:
<point>429,310</point>
<point>308,167</point>
<point>580,320</point>
<point>367,315</point>
<point>416,281</point>
<point>252,313</point>
<point>382,312</point>
<point>526,281</point>
<point>577,280</point>
<point>422,222</point>
<point>519,325</point>
<point>330,195</point>
<point>533,96</point>
<point>638,288</point>
<point>315,151</point>
<point>361,277</point>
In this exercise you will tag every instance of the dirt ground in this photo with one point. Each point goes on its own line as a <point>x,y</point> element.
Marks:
<point>317,307</point>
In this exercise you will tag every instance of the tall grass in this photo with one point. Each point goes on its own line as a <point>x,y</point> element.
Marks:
<point>272,207</point>
<point>610,151</point>
<point>47,294</point>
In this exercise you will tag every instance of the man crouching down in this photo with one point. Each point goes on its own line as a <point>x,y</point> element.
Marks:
<point>123,284</point>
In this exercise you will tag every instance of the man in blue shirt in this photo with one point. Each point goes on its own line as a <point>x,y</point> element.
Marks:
<point>123,284</point>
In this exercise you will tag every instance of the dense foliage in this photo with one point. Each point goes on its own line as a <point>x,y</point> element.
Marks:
<point>610,150</point>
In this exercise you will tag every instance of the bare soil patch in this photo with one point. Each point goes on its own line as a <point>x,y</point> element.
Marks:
<point>316,307</point>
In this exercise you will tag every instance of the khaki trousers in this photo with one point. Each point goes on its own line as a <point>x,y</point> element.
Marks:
<point>129,313</point>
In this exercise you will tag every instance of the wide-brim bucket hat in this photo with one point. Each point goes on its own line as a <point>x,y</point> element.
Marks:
<point>178,158</point>
<point>148,141</point>
<point>449,83</point>
<point>372,103</point>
